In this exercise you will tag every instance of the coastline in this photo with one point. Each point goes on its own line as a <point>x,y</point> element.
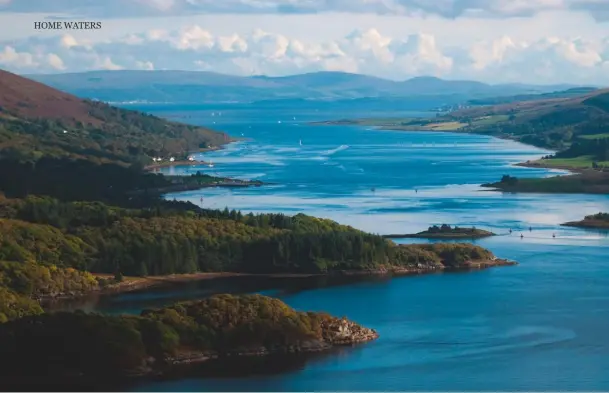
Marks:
<point>334,333</point>
<point>131,284</point>
<point>600,225</point>
<point>528,164</point>
<point>578,180</point>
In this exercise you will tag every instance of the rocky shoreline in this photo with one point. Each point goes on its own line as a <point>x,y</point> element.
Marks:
<point>335,332</point>
<point>130,284</point>
<point>423,269</point>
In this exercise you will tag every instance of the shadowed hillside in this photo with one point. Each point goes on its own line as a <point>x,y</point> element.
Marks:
<point>37,120</point>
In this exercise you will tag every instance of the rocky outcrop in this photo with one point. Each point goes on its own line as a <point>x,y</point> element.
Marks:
<point>337,331</point>
<point>334,332</point>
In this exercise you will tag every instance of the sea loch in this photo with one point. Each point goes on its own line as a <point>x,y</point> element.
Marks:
<point>540,325</point>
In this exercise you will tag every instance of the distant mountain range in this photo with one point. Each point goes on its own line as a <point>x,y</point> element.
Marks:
<point>201,87</point>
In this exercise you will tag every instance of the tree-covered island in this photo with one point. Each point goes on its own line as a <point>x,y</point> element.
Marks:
<point>594,221</point>
<point>445,231</point>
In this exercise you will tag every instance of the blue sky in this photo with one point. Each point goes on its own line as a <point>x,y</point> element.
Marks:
<point>530,41</point>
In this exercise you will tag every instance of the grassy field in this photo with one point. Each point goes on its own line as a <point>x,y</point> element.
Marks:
<point>587,182</point>
<point>582,162</point>
<point>489,120</point>
<point>595,136</point>
<point>445,126</point>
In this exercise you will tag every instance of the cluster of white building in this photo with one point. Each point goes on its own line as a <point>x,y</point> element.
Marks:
<point>171,159</point>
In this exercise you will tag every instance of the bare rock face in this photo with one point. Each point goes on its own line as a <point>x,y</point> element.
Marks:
<point>340,331</point>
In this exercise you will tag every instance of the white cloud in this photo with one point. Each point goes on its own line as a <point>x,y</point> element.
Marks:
<point>12,59</point>
<point>105,63</point>
<point>55,62</point>
<point>505,58</point>
<point>144,65</point>
<point>68,41</point>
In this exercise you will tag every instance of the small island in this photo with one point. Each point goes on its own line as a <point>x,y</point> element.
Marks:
<point>585,182</point>
<point>595,221</point>
<point>65,348</point>
<point>446,232</point>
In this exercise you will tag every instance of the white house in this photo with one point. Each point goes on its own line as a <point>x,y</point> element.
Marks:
<point>172,159</point>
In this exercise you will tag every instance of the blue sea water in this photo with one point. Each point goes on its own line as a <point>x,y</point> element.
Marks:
<point>541,325</point>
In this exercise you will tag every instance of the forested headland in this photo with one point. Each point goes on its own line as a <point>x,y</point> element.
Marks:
<point>63,348</point>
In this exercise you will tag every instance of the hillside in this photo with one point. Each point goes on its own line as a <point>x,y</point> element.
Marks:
<point>37,120</point>
<point>568,93</point>
<point>198,87</point>
<point>576,126</point>
<point>552,123</point>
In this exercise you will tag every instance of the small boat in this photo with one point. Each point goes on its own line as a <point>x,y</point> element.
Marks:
<point>211,164</point>
<point>300,142</point>
<point>278,121</point>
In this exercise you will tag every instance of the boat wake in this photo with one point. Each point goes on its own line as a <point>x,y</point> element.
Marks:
<point>334,151</point>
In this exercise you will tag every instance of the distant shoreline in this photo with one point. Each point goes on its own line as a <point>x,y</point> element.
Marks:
<point>577,181</point>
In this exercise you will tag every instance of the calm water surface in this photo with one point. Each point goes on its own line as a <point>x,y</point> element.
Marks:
<point>541,325</point>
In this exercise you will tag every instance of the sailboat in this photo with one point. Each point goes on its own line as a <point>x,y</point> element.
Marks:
<point>211,164</point>
<point>300,142</point>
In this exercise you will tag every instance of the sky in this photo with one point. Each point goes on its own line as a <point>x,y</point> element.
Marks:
<point>494,41</point>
